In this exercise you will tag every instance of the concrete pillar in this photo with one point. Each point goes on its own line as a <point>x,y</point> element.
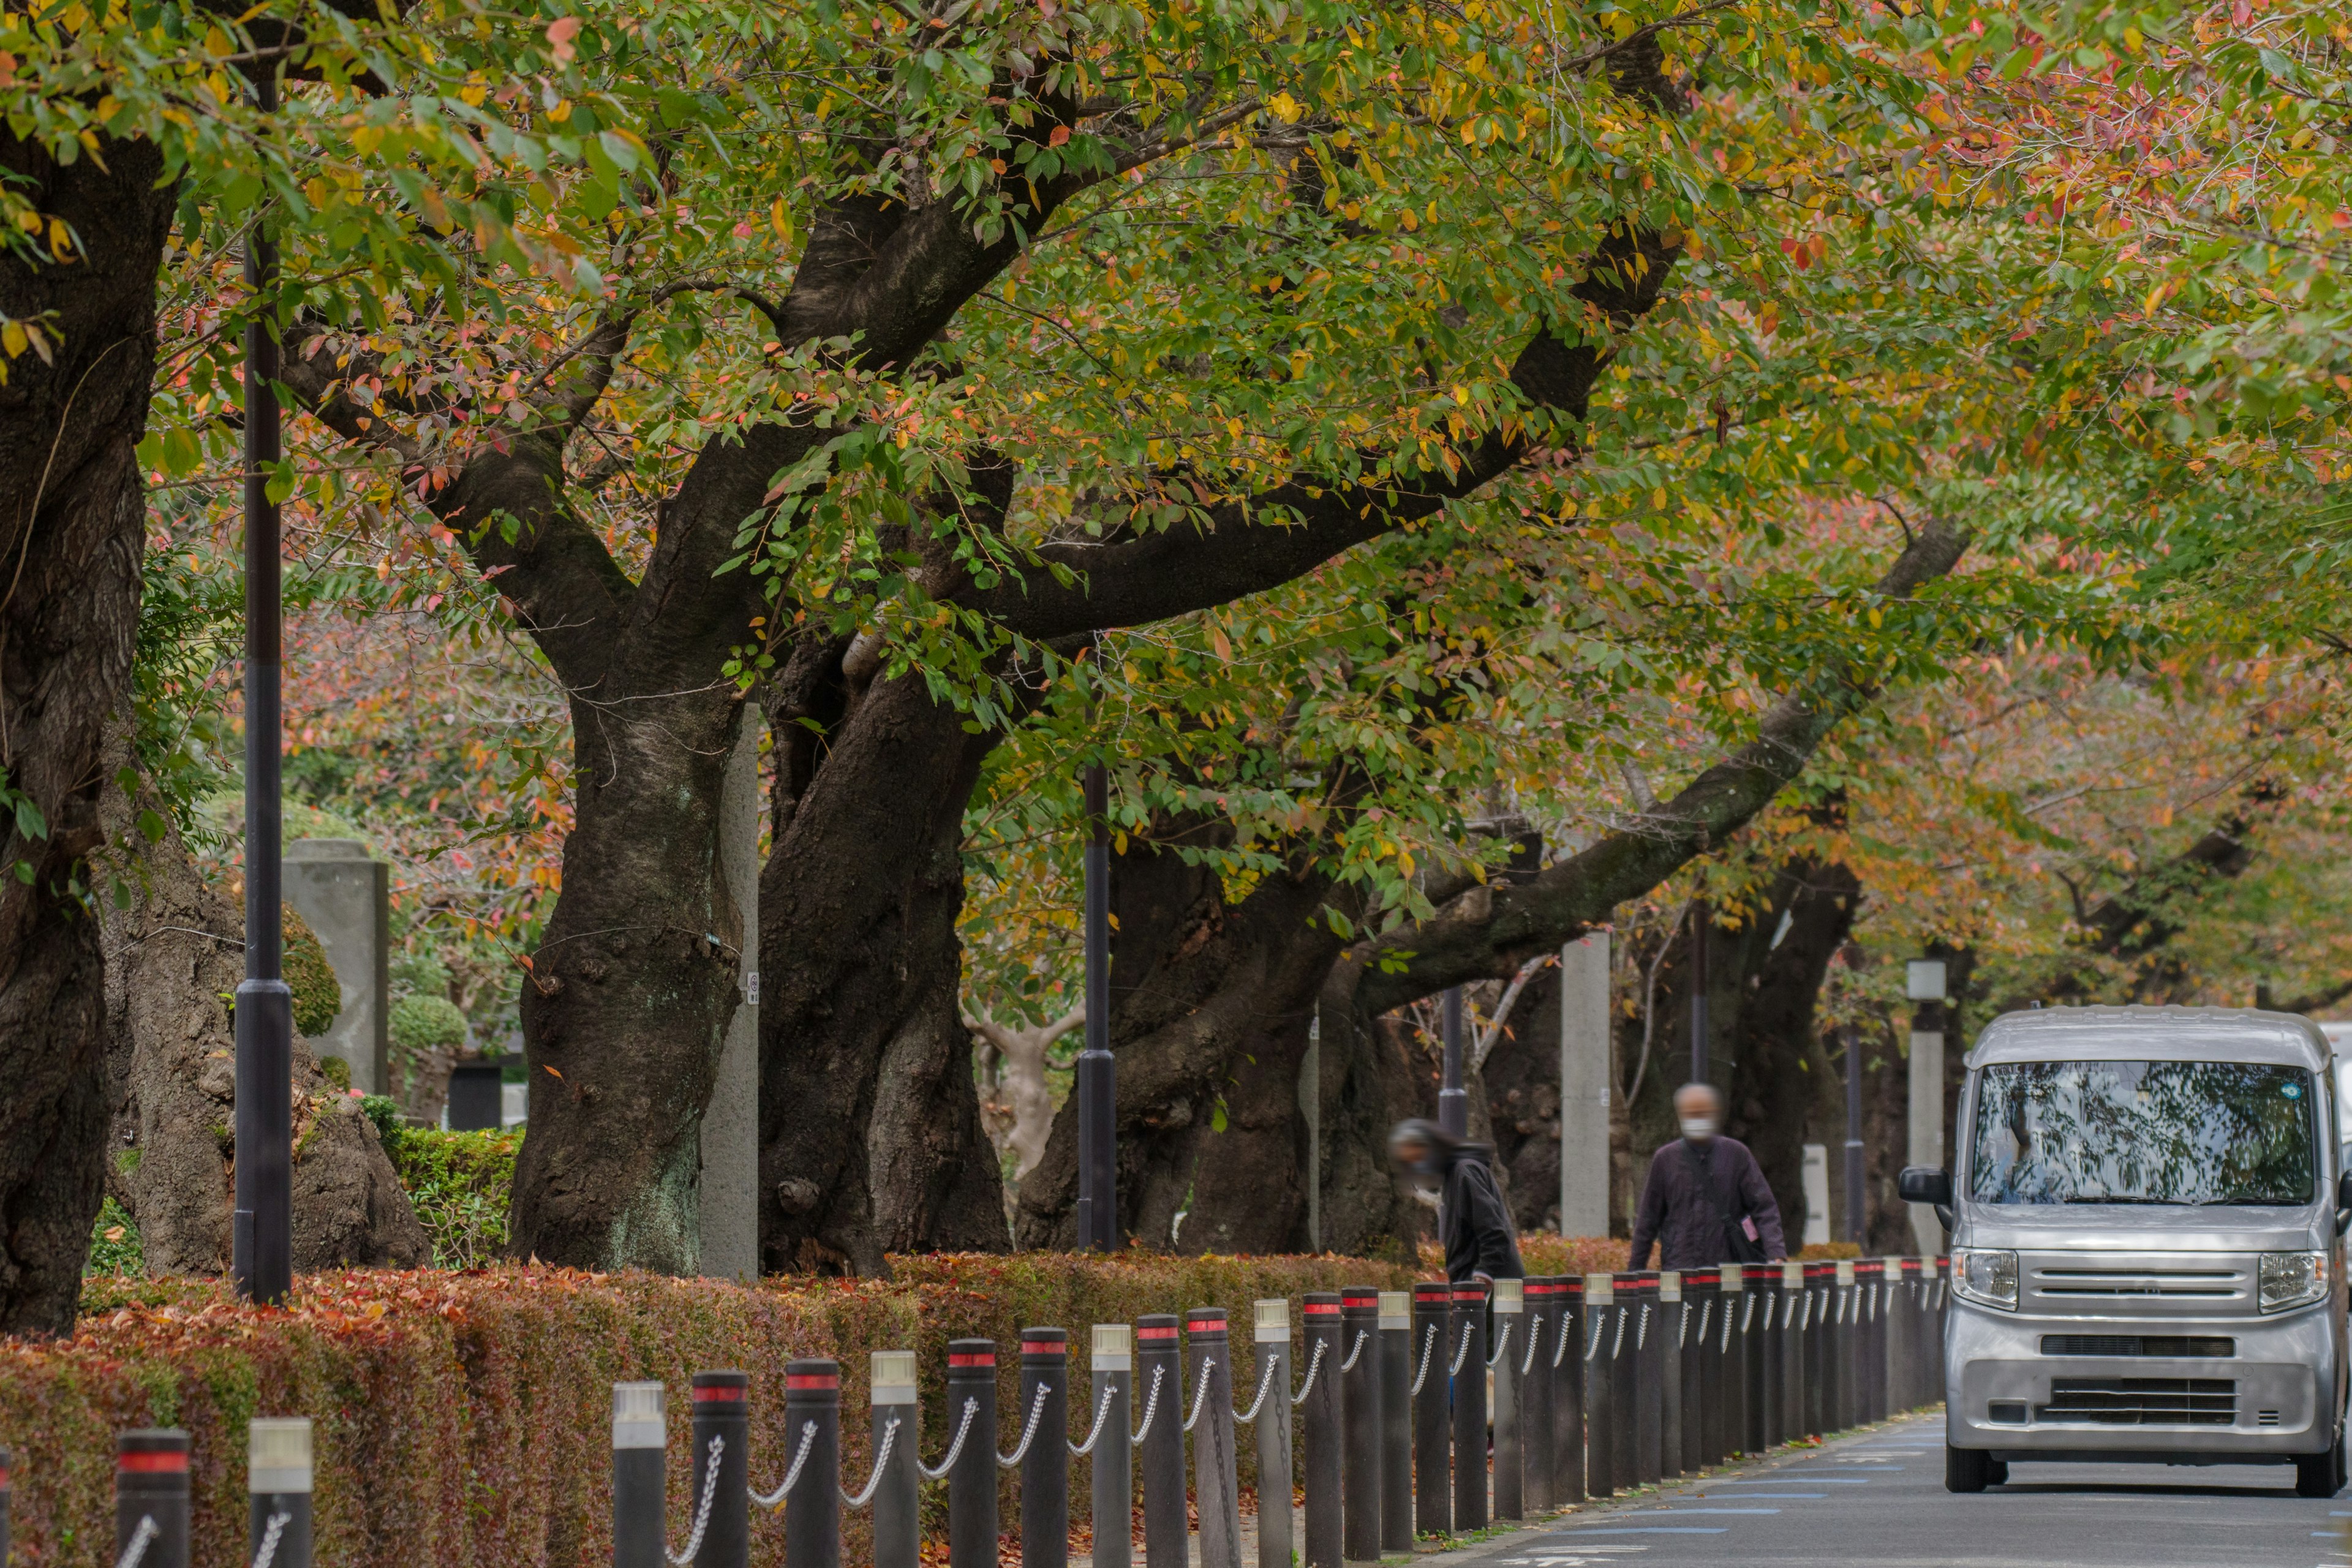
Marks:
<point>730,1127</point>
<point>1927,1131</point>
<point>1817,1194</point>
<point>1584,1085</point>
<point>345,895</point>
<point>1310,1108</point>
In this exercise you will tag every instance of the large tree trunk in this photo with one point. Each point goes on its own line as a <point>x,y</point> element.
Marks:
<point>71,535</point>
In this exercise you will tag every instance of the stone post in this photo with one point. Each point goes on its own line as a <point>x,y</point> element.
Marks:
<point>1584,1085</point>
<point>345,895</point>
<point>730,1127</point>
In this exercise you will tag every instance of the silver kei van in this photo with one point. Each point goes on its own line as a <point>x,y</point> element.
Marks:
<point>2146,1207</point>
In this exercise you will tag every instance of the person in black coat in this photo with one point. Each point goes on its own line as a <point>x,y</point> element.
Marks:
<point>1471,1214</point>
<point>1706,1201</point>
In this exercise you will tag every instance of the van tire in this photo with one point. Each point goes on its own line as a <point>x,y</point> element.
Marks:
<point>1970,1469</point>
<point>2321,1474</point>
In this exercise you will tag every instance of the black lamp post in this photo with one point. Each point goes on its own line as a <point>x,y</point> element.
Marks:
<point>1098,1085</point>
<point>1854,1216</point>
<point>1702,922</point>
<point>263,1229</point>
<point>1453,1099</point>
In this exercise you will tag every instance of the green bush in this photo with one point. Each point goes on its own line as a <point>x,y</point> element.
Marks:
<point>422,1022</point>
<point>317,995</point>
<point>458,1182</point>
<point>114,1246</point>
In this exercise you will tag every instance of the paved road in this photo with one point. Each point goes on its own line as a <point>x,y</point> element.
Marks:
<point>1878,1499</point>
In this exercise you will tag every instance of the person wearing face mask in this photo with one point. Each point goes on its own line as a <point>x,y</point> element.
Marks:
<point>1706,1201</point>
<point>1479,1241</point>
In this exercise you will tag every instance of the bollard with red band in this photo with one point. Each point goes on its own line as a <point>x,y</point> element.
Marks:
<point>1702,1391</point>
<point>1042,1451</point>
<point>1433,1464</point>
<point>1599,1371</point>
<point>1738,1310</point>
<point>1503,1370</point>
<point>1624,1355</point>
<point>151,1498</point>
<point>1866,1275</point>
<point>640,1500</point>
<point>1468,1370</point>
<point>970,1464</point>
<point>1321,1476</point>
<point>1159,1379</point>
<point>896,1489</point>
<point>1764,1359</point>
<point>1542,1322</point>
<point>722,1470</point>
<point>1360,1423</point>
<point>1217,1486</point>
<point>1270,1414</point>
<point>812,1484</point>
<point>1396,1422</point>
<point>1566,1357</point>
<point>1815,1336</point>
<point>278,1487</point>
<point>1645,1343</point>
<point>1792,1350</point>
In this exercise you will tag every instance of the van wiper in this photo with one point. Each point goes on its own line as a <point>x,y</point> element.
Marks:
<point>2122,1200</point>
<point>2243,1200</point>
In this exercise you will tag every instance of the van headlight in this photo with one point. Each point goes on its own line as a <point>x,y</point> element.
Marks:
<point>1986,1277</point>
<point>2291,1280</point>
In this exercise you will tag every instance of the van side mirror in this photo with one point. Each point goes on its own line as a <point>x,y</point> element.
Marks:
<point>2343,1191</point>
<point>1927,1184</point>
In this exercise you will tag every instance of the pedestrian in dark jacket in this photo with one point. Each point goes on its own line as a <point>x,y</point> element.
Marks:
<point>1706,1201</point>
<point>1480,1242</point>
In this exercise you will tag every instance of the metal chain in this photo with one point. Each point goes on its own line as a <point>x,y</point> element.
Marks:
<point>702,1513</point>
<point>1559,1345</point>
<point>1726,1331</point>
<point>1617,1346</point>
<point>963,1428</point>
<point>1535,1342</point>
<point>881,1458</point>
<point>1839,1321</point>
<point>1200,1393</point>
<point>270,1534</point>
<point>1036,1409</point>
<point>1682,1328</point>
<point>1747,1312</point>
<point>1428,1348</point>
<point>776,1499</point>
<point>1461,1352</point>
<point>1314,1365</point>
<point>1150,1404</point>
<point>138,1540</point>
<point>1264,1387</point>
<point>1705,1317</point>
<point>1102,1414</point>
<point>1356,1352</point>
<point>1502,1344</point>
<point>1593,1348</point>
<point>1642,1330</point>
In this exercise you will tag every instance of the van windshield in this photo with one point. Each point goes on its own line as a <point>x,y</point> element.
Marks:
<point>2144,1132</point>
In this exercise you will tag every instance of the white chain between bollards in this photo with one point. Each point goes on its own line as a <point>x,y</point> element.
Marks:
<point>1746,1313</point>
<point>702,1513</point>
<point>1560,1344</point>
<point>1641,1329</point>
<point>963,1430</point>
<point>1535,1341</point>
<point>1592,1348</point>
<point>1461,1352</point>
<point>1726,1331</point>
<point>1356,1352</point>
<point>1020,1450</point>
<point>1502,1344</point>
<point>1314,1365</point>
<point>1102,1414</point>
<point>270,1531</point>
<point>1150,1404</point>
<point>1428,1348</point>
<point>1264,1387</point>
<point>1682,1329</point>
<point>139,1537</point>
<point>881,1458</point>
<point>775,1499</point>
<point>1201,1394</point>
<point>1617,1345</point>
<point>1705,1317</point>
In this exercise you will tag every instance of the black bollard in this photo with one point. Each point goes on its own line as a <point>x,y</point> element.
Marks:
<point>1792,1350</point>
<point>1845,1329</point>
<point>1821,1278</point>
<point>897,1446</point>
<point>1469,1370</point>
<point>1702,1369</point>
<point>1535,1394</point>
<point>1396,1423</point>
<point>970,1466</point>
<point>1042,1449</point>
<point>1111,1458</point>
<point>1762,1328</point>
<point>1672,1333</point>
<point>151,1497</point>
<point>1732,1304</point>
<point>1324,1479</point>
<point>1432,1455</point>
<point>1509,1454</point>
<point>1601,1478</point>
<point>1215,1466</point>
<point>812,1433</point>
<point>1566,1359</point>
<point>1159,1376</point>
<point>1270,1410</point>
<point>4,1508</point>
<point>1626,1384</point>
<point>1649,1381</point>
<point>722,1416</point>
<point>278,1482</point>
<point>1869,1357</point>
<point>1359,1424</point>
<point>640,1500</point>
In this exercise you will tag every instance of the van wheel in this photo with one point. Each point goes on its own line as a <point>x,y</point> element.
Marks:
<point>1970,1469</point>
<point>1996,1473</point>
<point>2321,1474</point>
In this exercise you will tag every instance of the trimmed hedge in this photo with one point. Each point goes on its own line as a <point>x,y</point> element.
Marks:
<point>465,1417</point>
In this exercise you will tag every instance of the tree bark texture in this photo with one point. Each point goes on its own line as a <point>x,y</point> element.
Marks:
<point>71,537</point>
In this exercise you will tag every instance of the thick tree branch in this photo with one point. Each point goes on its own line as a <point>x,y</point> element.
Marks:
<point>1573,895</point>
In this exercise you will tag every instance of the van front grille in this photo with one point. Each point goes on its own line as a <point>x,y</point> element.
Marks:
<point>2197,1346</point>
<point>2221,1283</point>
<point>2142,1401</point>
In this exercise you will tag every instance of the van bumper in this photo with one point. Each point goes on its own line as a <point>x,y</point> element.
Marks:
<point>2277,1400</point>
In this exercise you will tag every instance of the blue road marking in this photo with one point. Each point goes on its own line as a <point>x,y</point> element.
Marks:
<point>1809,1496</point>
<point>1655,1512</point>
<point>1660,1530</point>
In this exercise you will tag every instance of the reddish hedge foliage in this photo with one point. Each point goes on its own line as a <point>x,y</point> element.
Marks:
<point>465,1418</point>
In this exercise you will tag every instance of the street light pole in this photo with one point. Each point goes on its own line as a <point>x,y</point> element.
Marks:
<point>1854,1216</point>
<point>1098,1213</point>
<point>1453,1099</point>
<point>1701,921</point>
<point>262,1231</point>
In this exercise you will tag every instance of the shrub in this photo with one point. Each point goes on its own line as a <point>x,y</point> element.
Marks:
<point>466,1417</point>
<point>317,995</point>
<point>421,1023</point>
<point>114,1246</point>
<point>458,1182</point>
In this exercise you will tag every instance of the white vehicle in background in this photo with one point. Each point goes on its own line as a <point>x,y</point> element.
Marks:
<point>2146,1242</point>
